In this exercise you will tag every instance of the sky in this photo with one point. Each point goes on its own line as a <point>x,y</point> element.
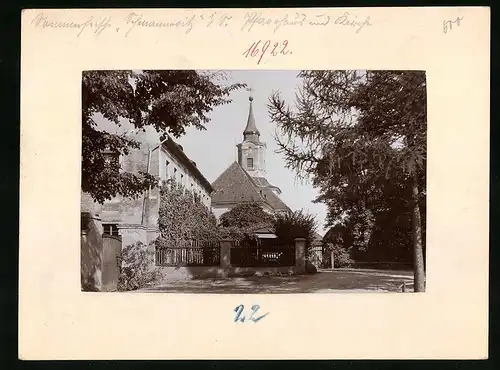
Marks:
<point>214,149</point>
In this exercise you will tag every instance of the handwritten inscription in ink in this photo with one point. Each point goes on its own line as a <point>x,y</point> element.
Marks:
<point>254,316</point>
<point>448,25</point>
<point>260,48</point>
<point>299,20</point>
<point>192,21</point>
<point>96,24</point>
<point>133,20</point>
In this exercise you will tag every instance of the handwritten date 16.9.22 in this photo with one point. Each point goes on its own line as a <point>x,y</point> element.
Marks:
<point>260,48</point>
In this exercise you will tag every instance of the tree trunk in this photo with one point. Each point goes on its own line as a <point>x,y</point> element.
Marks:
<point>418,256</point>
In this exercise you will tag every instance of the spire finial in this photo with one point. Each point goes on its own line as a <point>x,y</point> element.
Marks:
<point>250,90</point>
<point>250,129</point>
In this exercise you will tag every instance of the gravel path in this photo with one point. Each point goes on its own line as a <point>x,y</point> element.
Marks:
<point>325,281</point>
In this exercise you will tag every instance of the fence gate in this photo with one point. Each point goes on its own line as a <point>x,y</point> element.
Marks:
<point>262,254</point>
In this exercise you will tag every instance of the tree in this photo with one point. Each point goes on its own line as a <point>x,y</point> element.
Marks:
<point>249,214</point>
<point>295,224</point>
<point>243,220</point>
<point>169,101</point>
<point>361,136</point>
<point>182,216</point>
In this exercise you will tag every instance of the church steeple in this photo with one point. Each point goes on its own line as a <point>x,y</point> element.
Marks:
<point>251,133</point>
<point>251,152</point>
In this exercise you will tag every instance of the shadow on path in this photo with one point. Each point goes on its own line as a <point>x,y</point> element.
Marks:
<point>336,281</point>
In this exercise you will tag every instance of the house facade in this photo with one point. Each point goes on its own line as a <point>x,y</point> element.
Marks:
<point>245,180</point>
<point>136,220</point>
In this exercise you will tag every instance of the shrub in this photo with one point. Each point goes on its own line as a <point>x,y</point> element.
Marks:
<point>241,222</point>
<point>315,259</point>
<point>295,224</point>
<point>136,268</point>
<point>342,257</point>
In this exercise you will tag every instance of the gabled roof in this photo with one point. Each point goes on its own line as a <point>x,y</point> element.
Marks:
<point>262,182</point>
<point>178,152</point>
<point>317,239</point>
<point>275,202</point>
<point>317,236</point>
<point>234,185</point>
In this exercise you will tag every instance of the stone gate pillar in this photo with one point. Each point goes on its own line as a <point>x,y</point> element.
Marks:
<point>300,255</point>
<point>225,254</point>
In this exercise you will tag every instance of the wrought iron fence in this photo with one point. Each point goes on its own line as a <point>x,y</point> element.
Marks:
<point>188,253</point>
<point>262,256</point>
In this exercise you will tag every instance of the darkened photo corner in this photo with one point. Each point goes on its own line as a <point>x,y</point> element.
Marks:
<point>253,181</point>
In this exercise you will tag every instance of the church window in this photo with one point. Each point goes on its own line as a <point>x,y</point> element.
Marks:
<point>249,162</point>
<point>182,179</point>
<point>166,168</point>
<point>175,174</point>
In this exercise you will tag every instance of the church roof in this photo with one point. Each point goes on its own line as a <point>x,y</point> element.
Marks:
<point>262,182</point>
<point>235,185</point>
<point>274,200</point>
<point>251,128</point>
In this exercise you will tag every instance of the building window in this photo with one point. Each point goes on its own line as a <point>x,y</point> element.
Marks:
<point>110,229</point>
<point>166,169</point>
<point>249,162</point>
<point>182,179</point>
<point>175,174</point>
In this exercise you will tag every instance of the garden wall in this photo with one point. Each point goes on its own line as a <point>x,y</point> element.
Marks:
<point>172,273</point>
<point>225,269</point>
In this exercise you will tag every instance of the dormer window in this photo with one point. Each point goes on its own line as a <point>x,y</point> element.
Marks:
<point>249,162</point>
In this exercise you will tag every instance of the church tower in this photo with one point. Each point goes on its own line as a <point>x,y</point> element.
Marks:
<point>246,180</point>
<point>251,151</point>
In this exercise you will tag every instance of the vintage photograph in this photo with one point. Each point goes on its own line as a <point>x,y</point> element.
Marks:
<point>253,181</point>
